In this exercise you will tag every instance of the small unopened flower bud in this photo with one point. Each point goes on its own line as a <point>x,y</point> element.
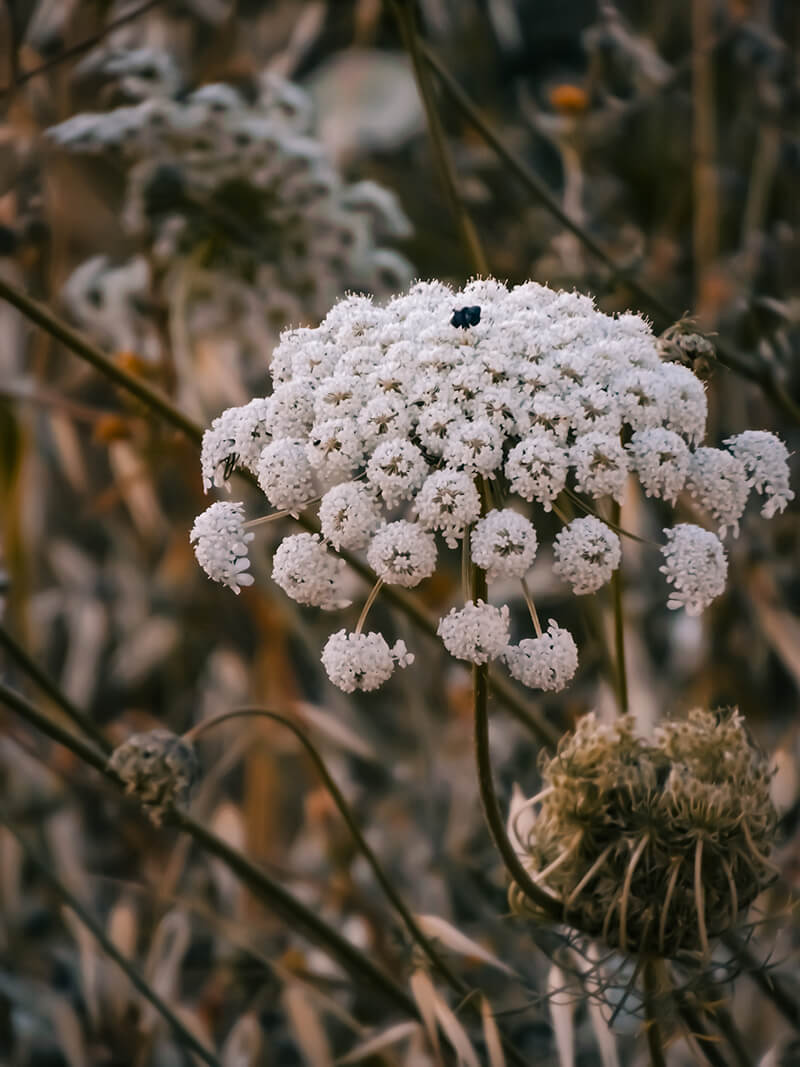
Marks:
<point>159,768</point>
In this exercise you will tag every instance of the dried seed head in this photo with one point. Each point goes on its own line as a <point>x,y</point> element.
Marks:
<point>159,767</point>
<point>654,848</point>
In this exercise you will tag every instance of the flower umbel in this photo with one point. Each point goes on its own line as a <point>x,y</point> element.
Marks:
<point>415,429</point>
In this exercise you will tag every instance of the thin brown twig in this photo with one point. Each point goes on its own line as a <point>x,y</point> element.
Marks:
<point>110,949</point>
<point>404,11</point>
<point>57,695</point>
<point>77,49</point>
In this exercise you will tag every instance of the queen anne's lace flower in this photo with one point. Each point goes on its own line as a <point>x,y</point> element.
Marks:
<point>402,553</point>
<point>766,461</point>
<point>448,502</point>
<point>587,553</point>
<point>695,564</point>
<point>661,459</point>
<point>220,544</point>
<point>718,481</point>
<point>362,661</point>
<point>398,415</point>
<point>308,573</point>
<point>548,662</point>
<point>478,632</point>
<point>504,544</point>
<point>348,515</point>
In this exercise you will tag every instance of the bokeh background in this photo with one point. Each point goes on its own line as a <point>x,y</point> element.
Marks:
<point>669,134</point>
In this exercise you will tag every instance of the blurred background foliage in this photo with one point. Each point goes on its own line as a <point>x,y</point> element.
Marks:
<point>669,134</point>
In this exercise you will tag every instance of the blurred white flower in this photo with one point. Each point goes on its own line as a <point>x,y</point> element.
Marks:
<point>766,461</point>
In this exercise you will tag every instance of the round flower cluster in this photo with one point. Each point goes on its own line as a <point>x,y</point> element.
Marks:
<point>240,186</point>
<point>654,848</point>
<point>452,416</point>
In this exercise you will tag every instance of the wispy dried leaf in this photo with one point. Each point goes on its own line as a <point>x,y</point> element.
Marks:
<point>456,1034</point>
<point>243,1044</point>
<point>491,1035</point>
<point>562,1012</point>
<point>425,995</point>
<point>306,1026</point>
<point>450,937</point>
<point>333,730</point>
<point>385,1039</point>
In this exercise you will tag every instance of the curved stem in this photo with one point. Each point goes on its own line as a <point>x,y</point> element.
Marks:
<point>491,807</point>
<point>273,895</point>
<point>347,814</point>
<point>700,899</point>
<point>111,950</point>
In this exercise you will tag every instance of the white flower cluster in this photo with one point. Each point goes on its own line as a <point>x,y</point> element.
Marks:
<point>446,415</point>
<point>246,181</point>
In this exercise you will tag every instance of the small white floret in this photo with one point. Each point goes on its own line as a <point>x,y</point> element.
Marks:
<point>478,632</point>
<point>548,662</point>
<point>695,564</point>
<point>586,554</point>
<point>362,661</point>
<point>220,544</point>
<point>504,544</point>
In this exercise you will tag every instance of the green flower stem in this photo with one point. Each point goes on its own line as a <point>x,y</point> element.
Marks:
<point>619,627</point>
<point>758,371</point>
<point>158,403</point>
<point>346,812</point>
<point>404,11</point>
<point>655,1039</point>
<point>34,671</point>
<point>110,949</point>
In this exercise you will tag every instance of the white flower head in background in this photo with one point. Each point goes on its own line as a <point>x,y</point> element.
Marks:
<point>452,419</point>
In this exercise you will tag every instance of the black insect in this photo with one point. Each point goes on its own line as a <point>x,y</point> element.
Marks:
<point>466,317</point>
